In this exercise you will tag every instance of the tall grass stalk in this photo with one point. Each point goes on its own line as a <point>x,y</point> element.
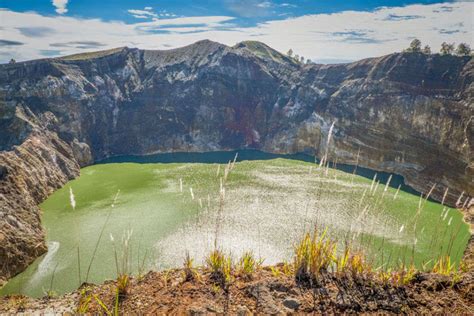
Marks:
<point>79,265</point>
<point>324,160</point>
<point>396,193</point>
<point>458,202</point>
<point>72,199</point>
<point>50,293</point>
<point>97,245</point>
<point>123,262</point>
<point>356,165</point>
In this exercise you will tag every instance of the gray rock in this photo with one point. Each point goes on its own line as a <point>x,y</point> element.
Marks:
<point>82,153</point>
<point>242,311</point>
<point>265,301</point>
<point>3,172</point>
<point>292,303</point>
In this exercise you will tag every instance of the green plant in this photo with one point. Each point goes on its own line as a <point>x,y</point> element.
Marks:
<point>190,272</point>
<point>84,301</point>
<point>101,304</point>
<point>123,282</point>
<point>18,302</point>
<point>313,255</point>
<point>444,266</point>
<point>358,265</point>
<point>50,293</point>
<point>275,271</point>
<point>403,276</point>
<point>215,289</point>
<point>287,268</point>
<point>385,276</point>
<point>220,266</point>
<point>342,261</point>
<point>166,277</point>
<point>248,265</point>
<point>123,263</point>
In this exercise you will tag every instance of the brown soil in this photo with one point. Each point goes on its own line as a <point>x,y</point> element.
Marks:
<point>169,293</point>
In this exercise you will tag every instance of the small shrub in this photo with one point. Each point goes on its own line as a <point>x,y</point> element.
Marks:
<point>166,277</point>
<point>102,304</point>
<point>398,277</point>
<point>215,289</point>
<point>385,276</point>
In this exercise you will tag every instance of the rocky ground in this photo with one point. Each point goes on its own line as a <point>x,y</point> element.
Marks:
<point>266,293</point>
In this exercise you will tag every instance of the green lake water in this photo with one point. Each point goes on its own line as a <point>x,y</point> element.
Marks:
<point>268,205</point>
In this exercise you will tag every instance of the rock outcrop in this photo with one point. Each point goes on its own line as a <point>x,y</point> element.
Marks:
<point>28,174</point>
<point>407,113</point>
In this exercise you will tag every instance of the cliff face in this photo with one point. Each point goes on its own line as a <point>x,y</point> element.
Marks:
<point>28,174</point>
<point>411,114</point>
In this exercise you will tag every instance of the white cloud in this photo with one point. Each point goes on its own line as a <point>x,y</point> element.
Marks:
<point>288,5</point>
<point>347,35</point>
<point>265,4</point>
<point>137,16</point>
<point>60,6</point>
<point>143,14</point>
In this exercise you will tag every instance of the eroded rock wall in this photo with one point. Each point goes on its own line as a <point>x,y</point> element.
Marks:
<point>29,173</point>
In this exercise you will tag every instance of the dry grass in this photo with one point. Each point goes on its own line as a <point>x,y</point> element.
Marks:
<point>190,273</point>
<point>220,266</point>
<point>248,265</point>
<point>122,258</point>
<point>313,255</point>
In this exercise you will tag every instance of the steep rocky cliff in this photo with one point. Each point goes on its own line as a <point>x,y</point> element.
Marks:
<point>407,113</point>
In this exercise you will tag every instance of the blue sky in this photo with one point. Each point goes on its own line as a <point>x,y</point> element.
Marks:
<point>323,30</point>
<point>247,12</point>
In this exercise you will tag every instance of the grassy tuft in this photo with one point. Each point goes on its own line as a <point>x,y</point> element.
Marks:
<point>313,255</point>
<point>248,265</point>
<point>220,266</point>
<point>444,266</point>
<point>190,272</point>
<point>123,263</point>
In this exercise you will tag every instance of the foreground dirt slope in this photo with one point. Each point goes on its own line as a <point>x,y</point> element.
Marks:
<point>170,293</point>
